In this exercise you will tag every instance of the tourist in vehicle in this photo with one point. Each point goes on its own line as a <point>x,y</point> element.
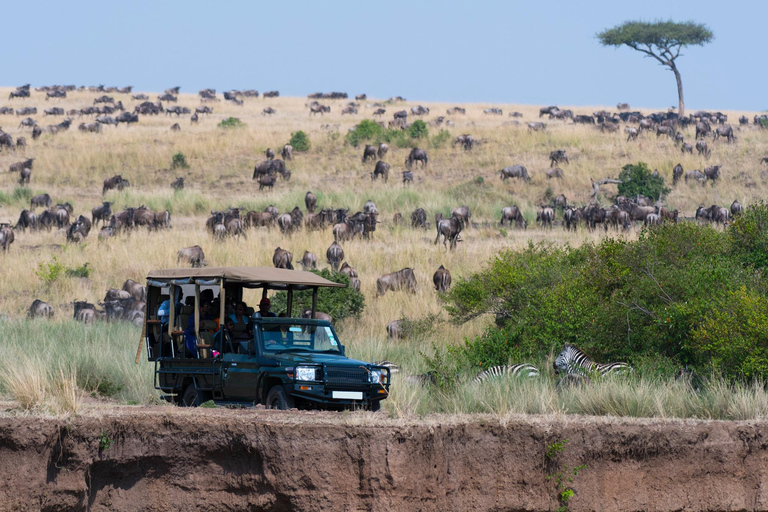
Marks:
<point>264,306</point>
<point>242,328</point>
<point>225,344</point>
<point>207,323</point>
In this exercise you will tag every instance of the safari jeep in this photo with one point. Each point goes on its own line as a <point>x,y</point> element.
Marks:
<point>286,362</point>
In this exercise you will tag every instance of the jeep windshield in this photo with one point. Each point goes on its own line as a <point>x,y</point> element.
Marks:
<point>289,336</point>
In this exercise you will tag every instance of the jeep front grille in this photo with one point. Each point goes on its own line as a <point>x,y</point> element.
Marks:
<point>345,377</point>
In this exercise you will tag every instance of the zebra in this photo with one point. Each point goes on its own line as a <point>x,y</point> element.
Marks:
<point>573,361</point>
<point>508,370</point>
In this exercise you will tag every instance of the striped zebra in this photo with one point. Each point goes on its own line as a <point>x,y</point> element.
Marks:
<point>508,370</point>
<point>573,361</point>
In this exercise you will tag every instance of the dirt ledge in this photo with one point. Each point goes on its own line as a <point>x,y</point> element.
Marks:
<point>171,459</point>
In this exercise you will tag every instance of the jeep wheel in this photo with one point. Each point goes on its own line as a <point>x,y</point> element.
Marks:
<point>193,397</point>
<point>277,398</point>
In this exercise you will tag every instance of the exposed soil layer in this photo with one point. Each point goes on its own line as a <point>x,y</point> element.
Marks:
<point>169,459</point>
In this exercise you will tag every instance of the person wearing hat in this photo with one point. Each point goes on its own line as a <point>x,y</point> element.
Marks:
<point>264,306</point>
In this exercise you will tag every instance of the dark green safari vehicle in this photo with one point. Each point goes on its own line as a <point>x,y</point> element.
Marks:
<point>282,362</point>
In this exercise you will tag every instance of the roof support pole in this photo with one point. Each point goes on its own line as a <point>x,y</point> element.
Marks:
<point>290,302</point>
<point>314,301</point>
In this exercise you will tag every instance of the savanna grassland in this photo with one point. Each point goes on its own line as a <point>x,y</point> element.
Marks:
<point>72,165</point>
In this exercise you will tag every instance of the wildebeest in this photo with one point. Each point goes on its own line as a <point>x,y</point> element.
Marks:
<point>308,261</point>
<point>736,207</point>
<point>43,200</point>
<point>137,290</point>
<point>702,149</point>
<point>416,155</point>
<point>402,114</point>
<point>463,214</point>
<point>677,173</point>
<point>404,279</point>
<point>19,166</point>
<point>379,112</point>
<point>652,219</point>
<point>268,111</point>
<point>466,140</point>
<point>115,182</point>
<point>282,258</point>
<point>287,152</point>
<point>702,129</point>
<point>572,216</point>
<point>178,183</point>
<point>554,173</point>
<point>669,131</point>
<point>102,213</point>
<point>407,177</point>
<point>310,201</point>
<point>348,270</point>
<point>84,312</point>
<point>127,118</point>
<point>28,123</point>
<point>317,108</point>
<point>545,216</point>
<point>269,153</point>
<point>334,255</point>
<point>395,329</point>
<point>7,236</point>
<point>449,229</point>
<point>514,171</point>
<point>442,279</point>
<point>193,255</point>
<point>175,127</point>
<point>382,168</point>
<point>369,153</point>
<point>494,111</point>
<point>40,309</point>
<point>382,150</point>
<point>27,219</point>
<point>419,218</point>
<point>267,181</point>
<point>724,131</point>
<point>90,127</point>
<point>536,127</point>
<point>712,173</point>
<point>686,148</point>
<point>558,156</point>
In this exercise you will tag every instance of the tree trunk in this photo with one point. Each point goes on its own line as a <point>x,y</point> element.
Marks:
<point>681,110</point>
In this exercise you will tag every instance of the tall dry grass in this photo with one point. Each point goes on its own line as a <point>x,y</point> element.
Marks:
<point>71,166</point>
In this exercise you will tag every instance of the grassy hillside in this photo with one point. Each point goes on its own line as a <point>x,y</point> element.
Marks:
<point>72,165</point>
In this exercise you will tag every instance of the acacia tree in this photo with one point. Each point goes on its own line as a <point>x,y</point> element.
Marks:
<point>661,40</point>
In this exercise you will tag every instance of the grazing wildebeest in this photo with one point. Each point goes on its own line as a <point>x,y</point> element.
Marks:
<point>442,279</point>
<point>127,118</point>
<point>175,127</point>
<point>466,140</point>
<point>193,255</point>
<point>115,182</point>
<point>677,173</point>
<point>395,329</point>
<point>28,122</point>
<point>679,138</point>
<point>40,309</point>
<point>514,171</point>
<point>269,153</point>
<point>397,219</point>
<point>102,213</point>
<point>669,131</point>
<point>696,175</point>
<point>27,219</point>
<point>493,111</point>
<point>449,229</point>
<point>572,216</point>
<point>348,270</point>
<point>382,150</point>
<point>25,175</point>
<point>685,147</point>
<point>702,149</point>
<point>162,220</point>
<point>334,255</point>
<point>561,201</point>
<point>536,127</point>
<point>379,112</point>
<point>736,207</point>
<point>702,129</point>
<point>369,153</point>
<point>90,127</point>
<point>287,152</point>
<point>282,258</point>
<point>419,218</point>
<point>724,131</point>
<point>21,142</point>
<point>268,111</point>
<point>554,173</point>
<point>43,200</point>
<point>512,214</point>
<point>407,177</point>
<point>402,114</point>
<point>381,168</point>
<point>402,279</point>
<point>20,166</point>
<point>84,312</point>
<point>652,219</point>
<point>310,201</point>
<point>416,155</point>
<point>545,216</point>
<point>558,156</point>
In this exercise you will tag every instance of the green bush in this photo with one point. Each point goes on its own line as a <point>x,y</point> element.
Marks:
<point>677,295</point>
<point>50,272</point>
<point>638,179</point>
<point>299,141</point>
<point>441,139</point>
<point>81,271</point>
<point>419,130</point>
<point>340,303</point>
<point>367,131</point>
<point>749,235</point>
<point>179,161</point>
<point>231,122</point>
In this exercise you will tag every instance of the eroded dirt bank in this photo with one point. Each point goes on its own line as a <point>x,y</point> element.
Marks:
<point>161,459</point>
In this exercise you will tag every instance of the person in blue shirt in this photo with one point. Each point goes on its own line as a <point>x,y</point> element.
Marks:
<point>264,306</point>
<point>242,329</point>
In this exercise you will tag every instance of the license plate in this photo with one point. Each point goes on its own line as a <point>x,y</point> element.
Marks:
<point>348,395</point>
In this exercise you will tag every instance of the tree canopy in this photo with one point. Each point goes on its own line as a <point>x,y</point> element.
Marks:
<point>662,40</point>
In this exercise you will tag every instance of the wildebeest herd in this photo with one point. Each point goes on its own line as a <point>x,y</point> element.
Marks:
<point>108,111</point>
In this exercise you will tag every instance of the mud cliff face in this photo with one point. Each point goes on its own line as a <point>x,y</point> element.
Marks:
<point>268,460</point>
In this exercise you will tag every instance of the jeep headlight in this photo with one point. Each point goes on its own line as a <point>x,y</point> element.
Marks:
<point>375,376</point>
<point>305,373</point>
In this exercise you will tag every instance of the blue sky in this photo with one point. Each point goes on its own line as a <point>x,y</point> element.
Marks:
<point>525,52</point>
